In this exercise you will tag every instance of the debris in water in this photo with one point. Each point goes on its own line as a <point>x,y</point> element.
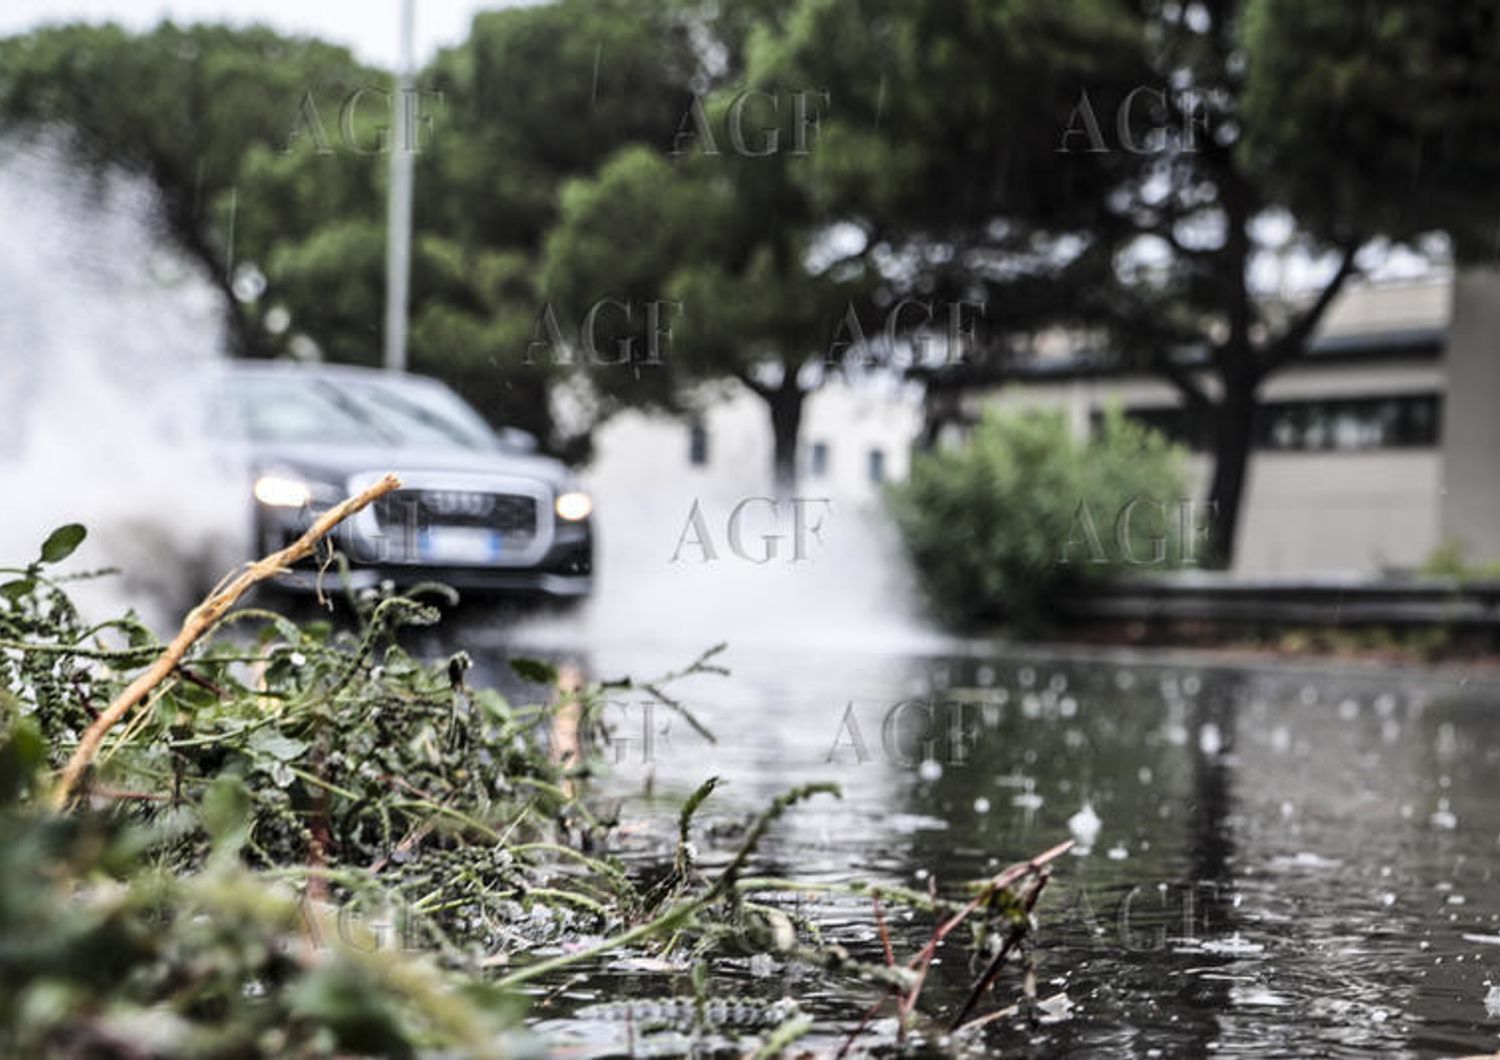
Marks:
<point>1085,825</point>
<point>1257,996</point>
<point>1054,1009</point>
<point>1028,799</point>
<point>1234,946</point>
<point>1304,859</point>
<point>1443,817</point>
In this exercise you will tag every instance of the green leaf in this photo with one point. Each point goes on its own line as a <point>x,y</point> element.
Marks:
<point>542,673</point>
<point>272,744</point>
<point>14,590</point>
<point>63,542</point>
<point>23,753</point>
<point>226,813</point>
<point>685,818</point>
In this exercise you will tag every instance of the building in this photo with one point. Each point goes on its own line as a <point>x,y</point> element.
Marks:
<point>856,435</point>
<point>1378,447</point>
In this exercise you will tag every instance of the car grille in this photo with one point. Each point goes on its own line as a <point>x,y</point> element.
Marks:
<point>415,510</point>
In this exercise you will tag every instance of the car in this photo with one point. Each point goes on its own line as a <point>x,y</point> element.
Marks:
<point>478,510</point>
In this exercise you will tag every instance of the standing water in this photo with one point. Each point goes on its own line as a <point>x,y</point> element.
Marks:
<point>1271,860</point>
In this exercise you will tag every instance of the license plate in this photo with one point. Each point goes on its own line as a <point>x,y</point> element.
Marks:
<point>458,544</point>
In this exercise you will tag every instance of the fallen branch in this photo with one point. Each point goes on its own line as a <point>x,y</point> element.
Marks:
<point>198,622</point>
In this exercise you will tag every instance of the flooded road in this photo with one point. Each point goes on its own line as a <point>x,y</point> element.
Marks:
<point>1273,860</point>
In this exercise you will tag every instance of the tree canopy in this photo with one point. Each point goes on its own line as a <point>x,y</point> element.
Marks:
<point>599,182</point>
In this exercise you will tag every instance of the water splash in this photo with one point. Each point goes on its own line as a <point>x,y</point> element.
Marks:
<point>678,569</point>
<point>108,341</point>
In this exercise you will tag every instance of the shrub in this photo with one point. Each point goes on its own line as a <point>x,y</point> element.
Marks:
<point>1023,510</point>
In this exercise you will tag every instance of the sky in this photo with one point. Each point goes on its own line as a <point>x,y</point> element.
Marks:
<point>369,27</point>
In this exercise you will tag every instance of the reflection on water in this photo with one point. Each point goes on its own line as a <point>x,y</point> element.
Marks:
<point>1286,862</point>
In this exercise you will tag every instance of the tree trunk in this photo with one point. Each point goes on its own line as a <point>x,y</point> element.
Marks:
<point>1233,436</point>
<point>786,423</point>
<point>245,336</point>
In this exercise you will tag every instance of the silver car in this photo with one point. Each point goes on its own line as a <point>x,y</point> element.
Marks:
<point>478,510</point>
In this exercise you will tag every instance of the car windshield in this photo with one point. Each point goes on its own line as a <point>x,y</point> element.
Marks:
<point>294,410</point>
<point>420,413</point>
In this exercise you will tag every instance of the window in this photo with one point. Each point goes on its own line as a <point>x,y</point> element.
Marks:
<point>1401,421</point>
<point>877,465</point>
<point>698,445</point>
<point>1405,421</point>
<point>818,461</point>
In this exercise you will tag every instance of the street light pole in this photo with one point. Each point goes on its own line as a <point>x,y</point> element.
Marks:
<point>398,204</point>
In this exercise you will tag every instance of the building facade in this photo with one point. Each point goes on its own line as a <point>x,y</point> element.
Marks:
<point>856,436</point>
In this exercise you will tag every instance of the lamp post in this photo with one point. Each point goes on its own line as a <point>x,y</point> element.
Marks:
<point>398,203</point>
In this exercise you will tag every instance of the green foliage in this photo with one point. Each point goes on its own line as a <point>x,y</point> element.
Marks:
<point>220,886</point>
<point>107,956</point>
<point>1451,560</point>
<point>1023,510</point>
<point>1379,117</point>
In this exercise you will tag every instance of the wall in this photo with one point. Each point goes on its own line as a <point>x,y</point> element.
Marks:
<point>1309,513</point>
<point>1471,443</point>
<point>639,452</point>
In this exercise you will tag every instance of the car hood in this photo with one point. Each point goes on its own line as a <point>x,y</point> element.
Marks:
<point>335,463</point>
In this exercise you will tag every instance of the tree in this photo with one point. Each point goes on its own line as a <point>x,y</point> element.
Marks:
<point>727,240</point>
<point>533,97</point>
<point>1389,112</point>
<point>1111,166</point>
<point>709,220</point>
<point>938,160</point>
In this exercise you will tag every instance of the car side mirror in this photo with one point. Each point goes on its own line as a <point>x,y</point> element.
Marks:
<point>518,440</point>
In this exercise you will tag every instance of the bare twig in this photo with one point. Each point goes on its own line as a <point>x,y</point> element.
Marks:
<point>198,622</point>
<point>885,936</point>
<point>923,959</point>
<point>920,963</point>
<point>890,962</point>
<point>1012,938</point>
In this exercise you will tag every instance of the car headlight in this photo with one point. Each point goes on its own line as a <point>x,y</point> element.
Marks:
<point>282,491</point>
<point>574,506</point>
